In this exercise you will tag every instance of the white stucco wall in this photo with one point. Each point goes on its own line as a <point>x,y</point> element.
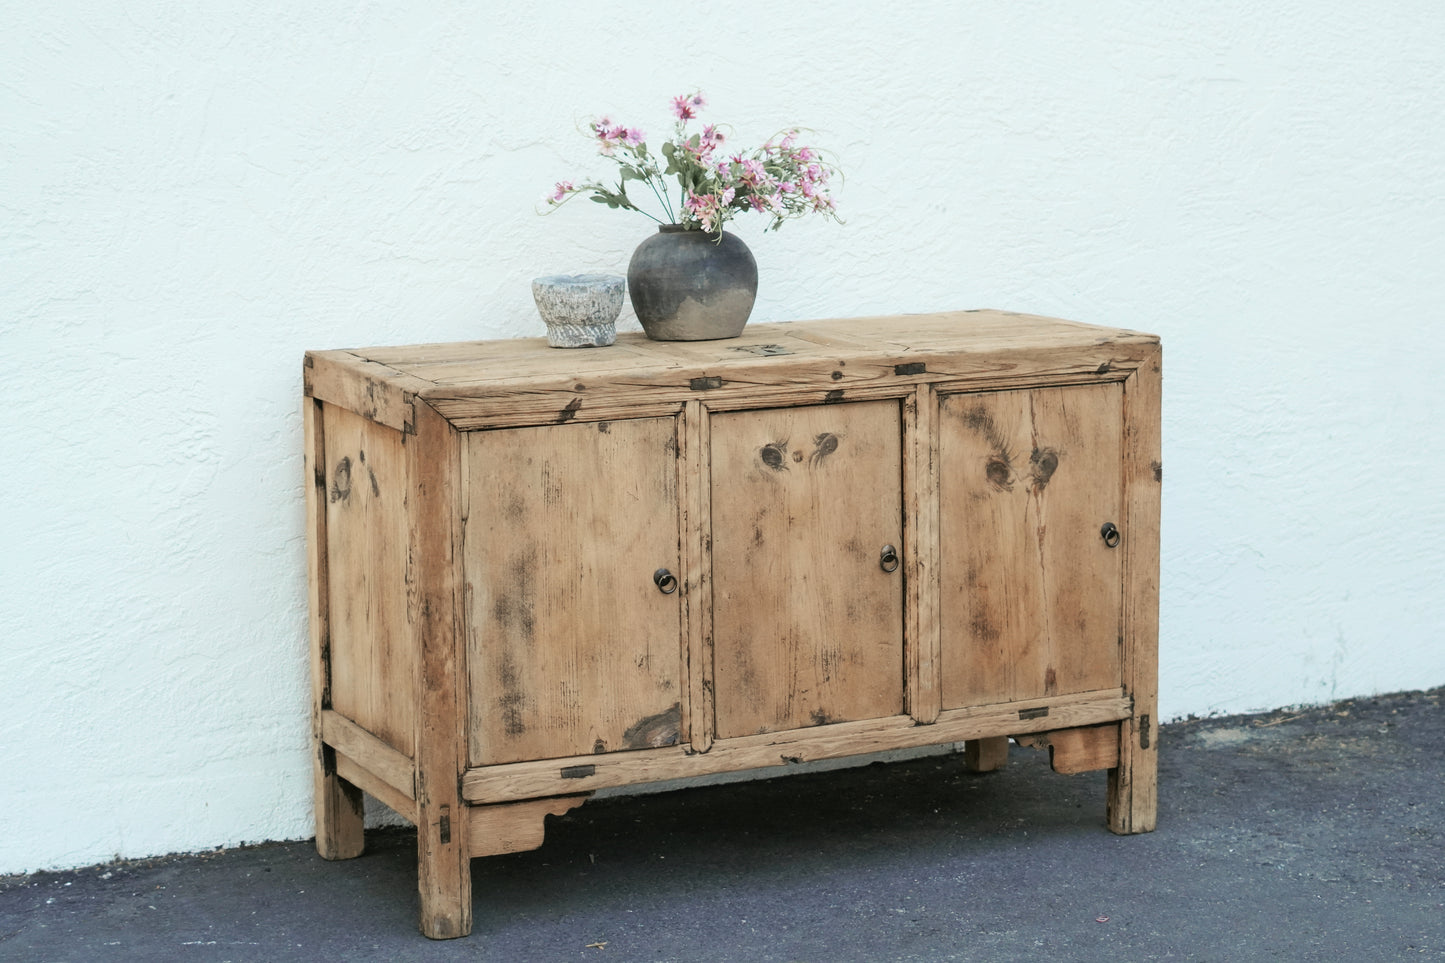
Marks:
<point>191,195</point>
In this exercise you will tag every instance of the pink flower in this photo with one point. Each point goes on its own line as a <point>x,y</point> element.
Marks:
<point>632,136</point>
<point>562,189</point>
<point>787,187</point>
<point>686,106</point>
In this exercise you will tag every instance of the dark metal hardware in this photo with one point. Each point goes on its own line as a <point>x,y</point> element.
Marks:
<point>888,559</point>
<point>666,582</point>
<point>1110,534</point>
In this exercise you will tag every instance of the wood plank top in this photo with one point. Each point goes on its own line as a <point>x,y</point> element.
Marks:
<point>488,383</point>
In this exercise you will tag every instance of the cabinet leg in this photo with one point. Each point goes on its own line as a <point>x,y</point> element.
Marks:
<point>444,872</point>
<point>985,755</point>
<point>1133,784</point>
<point>339,810</point>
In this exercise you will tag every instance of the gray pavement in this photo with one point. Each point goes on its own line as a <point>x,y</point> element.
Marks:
<point>1300,835</point>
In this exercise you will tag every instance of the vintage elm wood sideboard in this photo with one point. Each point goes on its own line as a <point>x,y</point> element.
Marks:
<point>536,573</point>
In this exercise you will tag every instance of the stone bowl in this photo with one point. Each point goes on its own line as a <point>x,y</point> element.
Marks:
<point>580,309</point>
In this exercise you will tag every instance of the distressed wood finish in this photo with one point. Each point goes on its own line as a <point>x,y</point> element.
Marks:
<point>1133,784</point>
<point>1030,590</point>
<point>808,629</point>
<point>558,776</point>
<point>986,755</point>
<point>489,645</point>
<point>514,827</point>
<point>694,467</point>
<point>366,548</point>
<point>339,806</point>
<point>1073,751</point>
<point>572,647</point>
<point>436,618</point>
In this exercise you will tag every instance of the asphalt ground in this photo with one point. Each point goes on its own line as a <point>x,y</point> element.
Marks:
<point>1312,834</point>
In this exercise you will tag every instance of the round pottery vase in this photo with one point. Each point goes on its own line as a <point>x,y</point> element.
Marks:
<point>691,286</point>
<point>580,309</point>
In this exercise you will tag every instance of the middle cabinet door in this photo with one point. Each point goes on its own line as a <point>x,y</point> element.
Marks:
<point>808,612</point>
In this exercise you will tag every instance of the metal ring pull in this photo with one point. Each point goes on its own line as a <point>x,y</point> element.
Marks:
<point>888,559</point>
<point>1110,534</point>
<point>665,581</point>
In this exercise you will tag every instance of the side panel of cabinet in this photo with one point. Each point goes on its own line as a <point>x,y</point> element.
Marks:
<point>808,628</point>
<point>572,648</point>
<point>372,660</point>
<point>1031,594</point>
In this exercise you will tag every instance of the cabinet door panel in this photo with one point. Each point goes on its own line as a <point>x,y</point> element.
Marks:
<point>1031,595</point>
<point>571,646</point>
<point>807,626</point>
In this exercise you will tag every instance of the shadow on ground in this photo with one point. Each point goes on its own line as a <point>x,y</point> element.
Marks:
<point>1305,835</point>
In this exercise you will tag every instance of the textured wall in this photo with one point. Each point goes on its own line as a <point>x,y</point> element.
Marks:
<point>192,197</point>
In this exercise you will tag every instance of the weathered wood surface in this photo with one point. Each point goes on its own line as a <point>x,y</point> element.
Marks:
<point>485,519</point>
<point>339,806</point>
<point>808,628</point>
<point>371,650</point>
<point>1072,751</point>
<point>572,647</point>
<point>554,777</point>
<point>920,492</point>
<point>1030,592</point>
<point>501,383</point>
<point>514,827</point>
<point>694,467</point>
<point>374,391</point>
<point>434,575</point>
<point>986,755</point>
<point>1133,784</point>
<point>389,766</point>
<point>365,779</point>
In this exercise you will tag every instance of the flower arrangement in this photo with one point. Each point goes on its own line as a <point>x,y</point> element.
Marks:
<point>782,179</point>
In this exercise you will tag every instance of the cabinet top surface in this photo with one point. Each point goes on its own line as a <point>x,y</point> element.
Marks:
<point>468,373</point>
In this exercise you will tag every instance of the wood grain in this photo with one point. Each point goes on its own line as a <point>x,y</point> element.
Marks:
<point>572,647</point>
<point>985,755</point>
<point>435,619</point>
<point>1072,751</point>
<point>525,780</point>
<point>514,827</point>
<point>1133,785</point>
<point>388,765</point>
<point>338,802</point>
<point>366,545</point>
<point>495,383</point>
<point>485,519</point>
<point>920,491</point>
<point>807,628</point>
<point>694,469</point>
<point>1030,593</point>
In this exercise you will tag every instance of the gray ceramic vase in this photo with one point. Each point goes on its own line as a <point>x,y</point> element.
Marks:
<point>689,286</point>
<point>580,309</point>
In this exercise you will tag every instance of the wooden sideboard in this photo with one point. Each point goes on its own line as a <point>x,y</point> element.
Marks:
<point>535,573</point>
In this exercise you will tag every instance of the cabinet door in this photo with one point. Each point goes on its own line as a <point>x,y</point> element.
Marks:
<point>572,648</point>
<point>1031,593</point>
<point>808,628</point>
